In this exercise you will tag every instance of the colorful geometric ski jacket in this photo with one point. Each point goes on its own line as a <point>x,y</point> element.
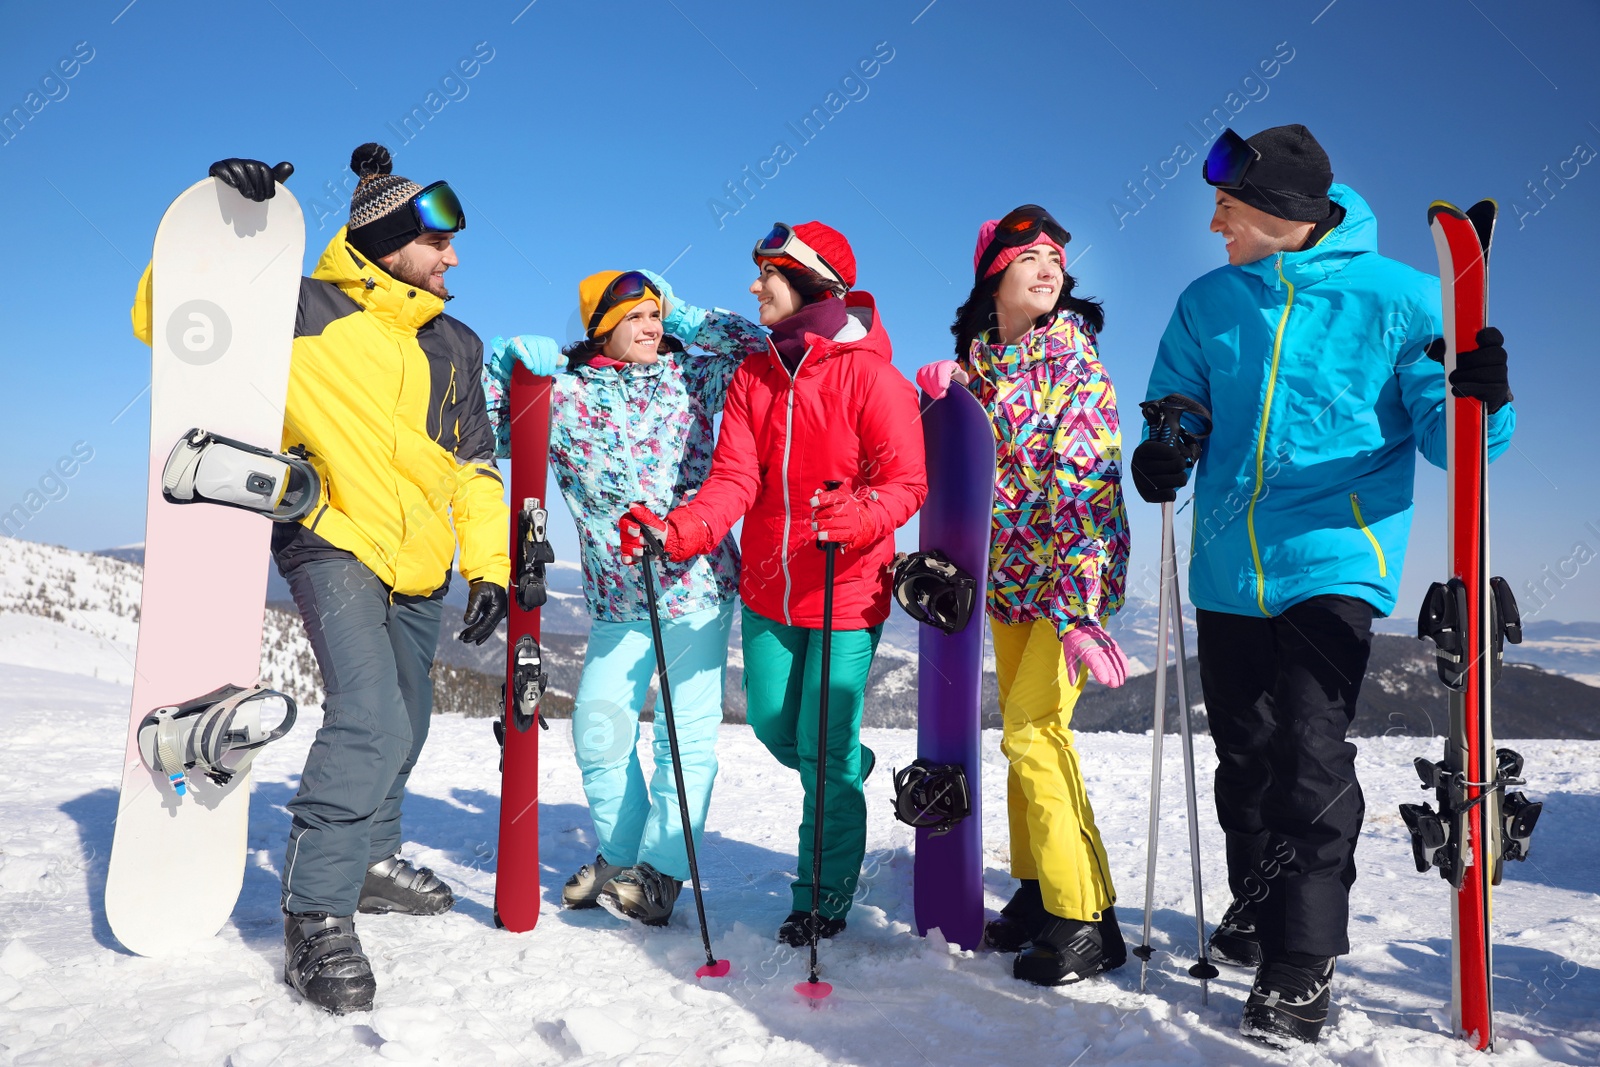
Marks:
<point>641,432</point>
<point>1059,548</point>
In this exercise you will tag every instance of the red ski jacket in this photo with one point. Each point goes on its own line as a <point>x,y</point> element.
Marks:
<point>846,414</point>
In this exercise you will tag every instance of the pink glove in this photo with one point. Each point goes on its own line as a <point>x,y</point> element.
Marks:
<point>842,519</point>
<point>1087,645</point>
<point>667,531</point>
<point>934,379</point>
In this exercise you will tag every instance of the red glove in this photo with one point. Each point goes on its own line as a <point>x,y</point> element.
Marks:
<point>668,532</point>
<point>842,519</point>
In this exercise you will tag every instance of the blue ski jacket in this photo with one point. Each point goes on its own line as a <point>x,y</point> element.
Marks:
<point>1314,366</point>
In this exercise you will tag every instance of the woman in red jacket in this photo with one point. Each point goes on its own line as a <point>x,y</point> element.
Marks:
<point>821,403</point>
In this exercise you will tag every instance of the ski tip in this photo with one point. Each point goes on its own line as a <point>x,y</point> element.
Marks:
<point>1482,216</point>
<point>1444,207</point>
<point>813,990</point>
<point>714,969</point>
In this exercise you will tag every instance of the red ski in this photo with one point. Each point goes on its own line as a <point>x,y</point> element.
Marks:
<point>516,886</point>
<point>1478,825</point>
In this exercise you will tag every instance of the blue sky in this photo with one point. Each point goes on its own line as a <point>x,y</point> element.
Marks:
<point>594,136</point>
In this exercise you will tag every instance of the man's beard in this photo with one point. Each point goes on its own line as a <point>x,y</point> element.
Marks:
<point>403,269</point>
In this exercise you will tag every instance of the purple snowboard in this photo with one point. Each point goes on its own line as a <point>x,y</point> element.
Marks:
<point>947,878</point>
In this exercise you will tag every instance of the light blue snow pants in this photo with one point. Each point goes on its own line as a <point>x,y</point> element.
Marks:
<point>636,823</point>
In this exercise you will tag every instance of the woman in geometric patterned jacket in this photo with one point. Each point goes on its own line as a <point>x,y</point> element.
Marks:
<point>1058,560</point>
<point>631,420</point>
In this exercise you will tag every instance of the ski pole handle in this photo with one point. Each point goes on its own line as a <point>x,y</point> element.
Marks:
<point>829,485</point>
<point>1165,419</point>
<point>653,545</point>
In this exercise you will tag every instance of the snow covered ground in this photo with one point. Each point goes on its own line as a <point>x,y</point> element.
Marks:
<point>586,989</point>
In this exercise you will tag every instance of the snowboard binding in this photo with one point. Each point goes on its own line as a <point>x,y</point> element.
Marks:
<point>935,591</point>
<point>207,468</point>
<point>533,552</point>
<point>216,735</point>
<point>1434,840</point>
<point>931,796</point>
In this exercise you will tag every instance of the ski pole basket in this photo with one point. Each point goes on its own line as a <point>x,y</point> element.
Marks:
<point>207,468</point>
<point>216,735</point>
<point>931,796</point>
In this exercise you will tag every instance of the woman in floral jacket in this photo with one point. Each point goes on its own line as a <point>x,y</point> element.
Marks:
<point>632,421</point>
<point>1058,560</point>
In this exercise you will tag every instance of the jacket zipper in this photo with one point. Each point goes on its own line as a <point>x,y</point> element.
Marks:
<point>1355,506</point>
<point>788,515</point>
<point>1261,441</point>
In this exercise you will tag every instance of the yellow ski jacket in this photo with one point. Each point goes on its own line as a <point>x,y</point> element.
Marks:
<point>385,395</point>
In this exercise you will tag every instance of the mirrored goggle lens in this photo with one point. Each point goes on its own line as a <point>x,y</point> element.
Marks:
<point>1025,224</point>
<point>776,240</point>
<point>439,210</point>
<point>630,285</point>
<point>1229,158</point>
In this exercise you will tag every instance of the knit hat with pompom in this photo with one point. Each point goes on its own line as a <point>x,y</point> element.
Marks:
<point>378,196</point>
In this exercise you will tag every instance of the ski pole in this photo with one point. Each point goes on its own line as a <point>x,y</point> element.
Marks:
<point>1144,950</point>
<point>713,967</point>
<point>1203,968</point>
<point>811,987</point>
<point>1165,419</point>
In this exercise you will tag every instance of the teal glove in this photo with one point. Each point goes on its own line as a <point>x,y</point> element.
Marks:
<point>541,355</point>
<point>684,320</point>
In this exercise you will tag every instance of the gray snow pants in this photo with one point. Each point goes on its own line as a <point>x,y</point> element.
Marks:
<point>375,654</point>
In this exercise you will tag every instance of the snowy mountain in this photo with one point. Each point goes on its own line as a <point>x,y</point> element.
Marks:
<point>78,613</point>
<point>85,609</point>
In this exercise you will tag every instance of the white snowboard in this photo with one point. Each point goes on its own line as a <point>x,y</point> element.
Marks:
<point>226,284</point>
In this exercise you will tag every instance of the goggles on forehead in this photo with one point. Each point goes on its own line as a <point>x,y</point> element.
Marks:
<point>629,285</point>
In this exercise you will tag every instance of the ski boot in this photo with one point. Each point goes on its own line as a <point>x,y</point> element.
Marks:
<point>1288,1002</point>
<point>396,884</point>
<point>1235,940</point>
<point>869,763</point>
<point>641,893</point>
<point>796,929</point>
<point>583,889</point>
<point>323,962</point>
<point>1019,920</point>
<point>1070,950</point>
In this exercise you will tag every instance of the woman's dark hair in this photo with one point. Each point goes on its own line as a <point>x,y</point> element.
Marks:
<point>580,352</point>
<point>978,314</point>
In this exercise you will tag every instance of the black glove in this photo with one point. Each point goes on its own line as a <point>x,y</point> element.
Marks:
<point>1481,373</point>
<point>251,177</point>
<point>1159,471</point>
<point>486,607</point>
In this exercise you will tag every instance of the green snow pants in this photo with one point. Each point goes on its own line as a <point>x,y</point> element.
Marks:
<point>782,681</point>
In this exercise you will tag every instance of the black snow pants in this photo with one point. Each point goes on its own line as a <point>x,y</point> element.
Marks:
<point>1280,696</point>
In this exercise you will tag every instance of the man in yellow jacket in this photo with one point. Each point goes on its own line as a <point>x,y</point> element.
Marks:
<point>386,402</point>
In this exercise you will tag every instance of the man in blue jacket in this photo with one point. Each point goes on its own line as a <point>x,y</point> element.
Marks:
<point>1313,353</point>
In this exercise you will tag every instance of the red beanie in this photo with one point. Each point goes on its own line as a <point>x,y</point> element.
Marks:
<point>830,244</point>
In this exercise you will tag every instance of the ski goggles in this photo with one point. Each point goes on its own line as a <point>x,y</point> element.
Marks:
<point>783,241</point>
<point>1229,160</point>
<point>438,210</point>
<point>629,285</point>
<point>1018,229</point>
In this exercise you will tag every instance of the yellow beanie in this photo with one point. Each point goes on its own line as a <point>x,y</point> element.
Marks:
<point>593,288</point>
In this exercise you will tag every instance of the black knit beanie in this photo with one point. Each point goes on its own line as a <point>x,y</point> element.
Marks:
<point>1291,178</point>
<point>375,227</point>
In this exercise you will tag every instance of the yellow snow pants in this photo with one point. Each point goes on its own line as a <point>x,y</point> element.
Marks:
<point>1053,835</point>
